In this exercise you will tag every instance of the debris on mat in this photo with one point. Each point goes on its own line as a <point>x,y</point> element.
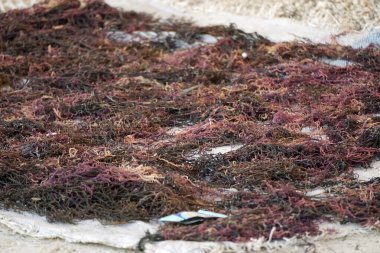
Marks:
<point>102,125</point>
<point>165,37</point>
<point>191,217</point>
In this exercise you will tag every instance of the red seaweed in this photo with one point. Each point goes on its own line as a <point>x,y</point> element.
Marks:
<point>97,127</point>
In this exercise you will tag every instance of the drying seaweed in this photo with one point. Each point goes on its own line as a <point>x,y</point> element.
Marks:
<point>370,137</point>
<point>92,187</point>
<point>115,115</point>
<point>281,213</point>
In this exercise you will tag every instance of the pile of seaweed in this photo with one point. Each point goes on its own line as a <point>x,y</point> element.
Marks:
<point>112,115</point>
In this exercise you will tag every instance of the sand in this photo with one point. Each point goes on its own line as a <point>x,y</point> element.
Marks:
<point>11,242</point>
<point>13,4</point>
<point>337,14</point>
<point>340,14</point>
<point>29,233</point>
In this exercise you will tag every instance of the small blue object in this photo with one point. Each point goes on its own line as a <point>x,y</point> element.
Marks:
<point>192,217</point>
<point>212,214</point>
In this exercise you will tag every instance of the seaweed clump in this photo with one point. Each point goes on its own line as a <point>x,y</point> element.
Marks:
<point>370,137</point>
<point>116,116</point>
<point>83,192</point>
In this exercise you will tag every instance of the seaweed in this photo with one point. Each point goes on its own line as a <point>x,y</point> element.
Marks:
<point>370,137</point>
<point>80,192</point>
<point>93,126</point>
<point>20,128</point>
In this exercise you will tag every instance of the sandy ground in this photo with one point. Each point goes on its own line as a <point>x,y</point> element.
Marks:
<point>338,14</point>
<point>368,243</point>
<point>28,233</point>
<point>342,14</point>
<point>13,4</point>
<point>276,29</point>
<point>250,16</point>
<point>11,242</point>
